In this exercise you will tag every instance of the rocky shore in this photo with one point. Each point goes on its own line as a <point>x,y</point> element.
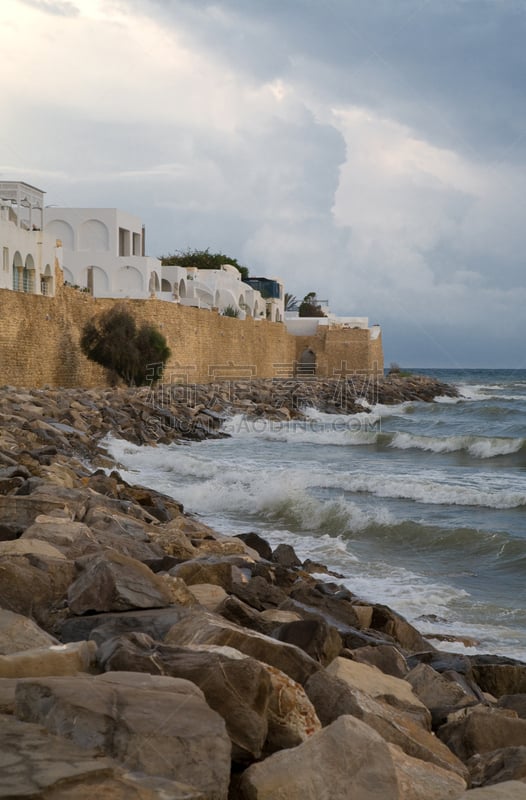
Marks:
<point>143,655</point>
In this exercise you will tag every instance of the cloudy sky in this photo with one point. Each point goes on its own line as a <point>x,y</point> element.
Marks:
<point>373,151</point>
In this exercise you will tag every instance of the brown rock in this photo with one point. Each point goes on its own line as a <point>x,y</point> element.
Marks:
<point>237,688</point>
<point>481,729</point>
<point>210,628</point>
<point>21,633</point>
<point>136,719</point>
<point>36,587</point>
<point>442,693</point>
<point>393,624</point>
<point>63,659</point>
<point>318,639</point>
<point>385,657</point>
<point>113,582</point>
<point>497,766</point>
<point>347,757</point>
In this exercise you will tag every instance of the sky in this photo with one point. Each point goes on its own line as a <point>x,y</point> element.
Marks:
<point>371,151</point>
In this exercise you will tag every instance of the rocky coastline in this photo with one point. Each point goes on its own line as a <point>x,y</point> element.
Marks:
<point>143,655</point>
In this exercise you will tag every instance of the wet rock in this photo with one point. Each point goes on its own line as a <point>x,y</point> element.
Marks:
<point>387,621</point>
<point>509,790</point>
<point>257,543</point>
<point>137,720</point>
<point>208,595</point>
<point>205,570</point>
<point>259,593</point>
<point>291,715</point>
<point>499,675</point>
<point>285,555</point>
<point>72,539</point>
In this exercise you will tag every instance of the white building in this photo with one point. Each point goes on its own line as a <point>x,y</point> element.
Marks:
<point>104,251</point>
<point>28,255</point>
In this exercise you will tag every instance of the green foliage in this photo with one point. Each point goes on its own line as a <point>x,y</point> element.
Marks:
<point>310,307</point>
<point>291,302</point>
<point>230,311</point>
<point>395,369</point>
<point>134,354</point>
<point>202,259</point>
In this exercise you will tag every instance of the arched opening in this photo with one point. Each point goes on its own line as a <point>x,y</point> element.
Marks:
<point>18,269</point>
<point>97,282</point>
<point>166,286</point>
<point>60,229</point>
<point>307,363</point>
<point>154,284</point>
<point>46,281</point>
<point>129,281</point>
<point>28,275</point>
<point>68,276</point>
<point>94,235</point>
<point>217,299</point>
<point>182,288</point>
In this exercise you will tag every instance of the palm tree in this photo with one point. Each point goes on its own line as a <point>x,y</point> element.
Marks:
<point>291,302</point>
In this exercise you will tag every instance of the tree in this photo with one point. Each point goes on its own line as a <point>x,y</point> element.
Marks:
<point>202,259</point>
<point>134,354</point>
<point>310,306</point>
<point>291,302</point>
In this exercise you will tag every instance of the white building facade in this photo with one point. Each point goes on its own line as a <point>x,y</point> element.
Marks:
<point>28,254</point>
<point>104,251</point>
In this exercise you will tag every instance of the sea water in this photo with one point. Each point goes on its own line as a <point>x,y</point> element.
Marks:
<point>421,506</point>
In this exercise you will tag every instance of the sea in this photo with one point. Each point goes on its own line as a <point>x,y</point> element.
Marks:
<point>420,506</point>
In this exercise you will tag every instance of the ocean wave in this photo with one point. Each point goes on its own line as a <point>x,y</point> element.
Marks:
<point>476,446</point>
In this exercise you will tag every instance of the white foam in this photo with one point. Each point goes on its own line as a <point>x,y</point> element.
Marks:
<point>477,446</point>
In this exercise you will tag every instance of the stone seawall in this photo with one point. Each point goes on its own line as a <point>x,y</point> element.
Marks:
<point>39,341</point>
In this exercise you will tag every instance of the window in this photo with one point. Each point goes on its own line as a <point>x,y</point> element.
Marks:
<point>6,259</point>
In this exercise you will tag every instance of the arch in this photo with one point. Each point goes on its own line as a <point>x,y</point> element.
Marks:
<point>217,299</point>
<point>182,288</point>
<point>46,281</point>
<point>166,286</point>
<point>255,313</point>
<point>94,235</point>
<point>97,282</point>
<point>154,285</point>
<point>18,266</point>
<point>307,362</point>
<point>60,229</point>
<point>129,281</point>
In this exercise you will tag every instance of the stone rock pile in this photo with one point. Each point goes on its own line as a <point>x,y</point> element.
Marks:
<point>143,655</point>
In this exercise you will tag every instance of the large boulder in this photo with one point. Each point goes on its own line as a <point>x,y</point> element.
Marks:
<point>387,658</point>
<point>238,689</point>
<point>18,632</point>
<point>332,697</point>
<point>208,628</point>
<point>36,587</point>
<point>113,582</point>
<point>482,729</point>
<point>499,675</point>
<point>316,637</point>
<point>72,538</point>
<point>442,693</point>
<point>389,622</point>
<point>62,659</point>
<point>347,759</point>
<point>497,766</point>
<point>151,724</point>
<point>370,680</point>
<point>517,702</point>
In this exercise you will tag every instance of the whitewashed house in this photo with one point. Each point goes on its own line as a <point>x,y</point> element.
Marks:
<point>28,254</point>
<point>104,251</point>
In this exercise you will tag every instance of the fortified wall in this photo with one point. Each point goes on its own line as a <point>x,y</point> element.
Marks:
<point>39,342</point>
<point>334,352</point>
